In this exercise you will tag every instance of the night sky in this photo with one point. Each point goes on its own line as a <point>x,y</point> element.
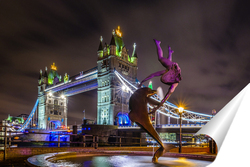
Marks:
<point>210,40</point>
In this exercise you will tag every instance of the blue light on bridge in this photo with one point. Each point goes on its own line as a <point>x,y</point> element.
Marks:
<point>123,119</point>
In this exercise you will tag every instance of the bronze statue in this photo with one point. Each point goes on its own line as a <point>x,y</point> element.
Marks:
<point>139,100</point>
<point>139,114</point>
<point>170,76</point>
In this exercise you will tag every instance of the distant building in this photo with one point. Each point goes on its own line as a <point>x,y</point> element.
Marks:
<point>16,120</point>
<point>88,122</point>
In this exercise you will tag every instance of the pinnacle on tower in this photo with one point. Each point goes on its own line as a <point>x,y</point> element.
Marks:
<point>134,51</point>
<point>100,46</point>
<point>45,73</point>
<point>53,67</point>
<point>40,74</point>
<point>118,32</point>
<point>112,42</point>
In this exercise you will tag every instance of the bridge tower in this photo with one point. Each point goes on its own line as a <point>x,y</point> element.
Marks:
<point>112,102</point>
<point>52,107</point>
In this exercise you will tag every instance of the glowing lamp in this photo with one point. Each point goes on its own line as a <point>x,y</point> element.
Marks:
<point>181,109</point>
<point>123,87</point>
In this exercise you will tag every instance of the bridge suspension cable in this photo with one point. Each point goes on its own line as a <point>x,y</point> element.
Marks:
<point>168,109</point>
<point>26,123</point>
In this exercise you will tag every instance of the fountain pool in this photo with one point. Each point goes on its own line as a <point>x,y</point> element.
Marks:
<point>93,160</point>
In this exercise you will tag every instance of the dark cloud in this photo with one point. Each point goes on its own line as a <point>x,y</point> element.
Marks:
<point>210,40</point>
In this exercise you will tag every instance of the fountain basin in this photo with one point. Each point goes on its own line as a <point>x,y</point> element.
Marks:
<point>72,159</point>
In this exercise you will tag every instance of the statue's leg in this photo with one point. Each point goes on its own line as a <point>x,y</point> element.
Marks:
<point>159,50</point>
<point>170,52</point>
<point>167,63</point>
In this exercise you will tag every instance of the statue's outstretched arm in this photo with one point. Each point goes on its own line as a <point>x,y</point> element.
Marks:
<point>156,74</point>
<point>170,91</point>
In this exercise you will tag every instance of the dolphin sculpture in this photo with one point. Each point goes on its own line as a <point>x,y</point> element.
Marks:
<point>139,114</point>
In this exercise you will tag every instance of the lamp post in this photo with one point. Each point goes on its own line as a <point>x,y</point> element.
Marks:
<point>180,109</point>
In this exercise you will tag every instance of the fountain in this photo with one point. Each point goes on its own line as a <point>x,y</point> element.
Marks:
<point>70,159</point>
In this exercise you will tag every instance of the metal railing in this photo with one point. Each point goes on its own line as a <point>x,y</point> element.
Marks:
<point>10,139</point>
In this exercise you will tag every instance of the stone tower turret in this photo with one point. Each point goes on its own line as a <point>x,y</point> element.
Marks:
<point>52,106</point>
<point>112,102</point>
<point>45,76</point>
<point>100,49</point>
<point>134,57</point>
<point>112,44</point>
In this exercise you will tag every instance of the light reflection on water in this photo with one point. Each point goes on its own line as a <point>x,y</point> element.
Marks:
<point>129,161</point>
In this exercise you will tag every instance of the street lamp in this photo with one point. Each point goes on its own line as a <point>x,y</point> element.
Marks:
<point>180,109</point>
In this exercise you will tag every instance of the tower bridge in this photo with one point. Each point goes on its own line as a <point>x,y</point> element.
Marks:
<point>114,77</point>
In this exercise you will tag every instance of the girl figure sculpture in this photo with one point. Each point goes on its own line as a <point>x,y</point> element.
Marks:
<point>170,76</point>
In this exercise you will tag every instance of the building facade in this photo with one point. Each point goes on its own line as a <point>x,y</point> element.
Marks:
<point>52,107</point>
<point>112,102</point>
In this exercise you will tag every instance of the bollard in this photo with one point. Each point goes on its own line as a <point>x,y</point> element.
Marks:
<point>120,142</point>
<point>96,142</point>
<point>9,142</point>
<point>58,140</point>
<point>83,140</point>
<point>93,142</point>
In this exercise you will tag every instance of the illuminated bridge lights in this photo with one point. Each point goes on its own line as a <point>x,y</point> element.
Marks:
<point>90,78</point>
<point>85,75</point>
